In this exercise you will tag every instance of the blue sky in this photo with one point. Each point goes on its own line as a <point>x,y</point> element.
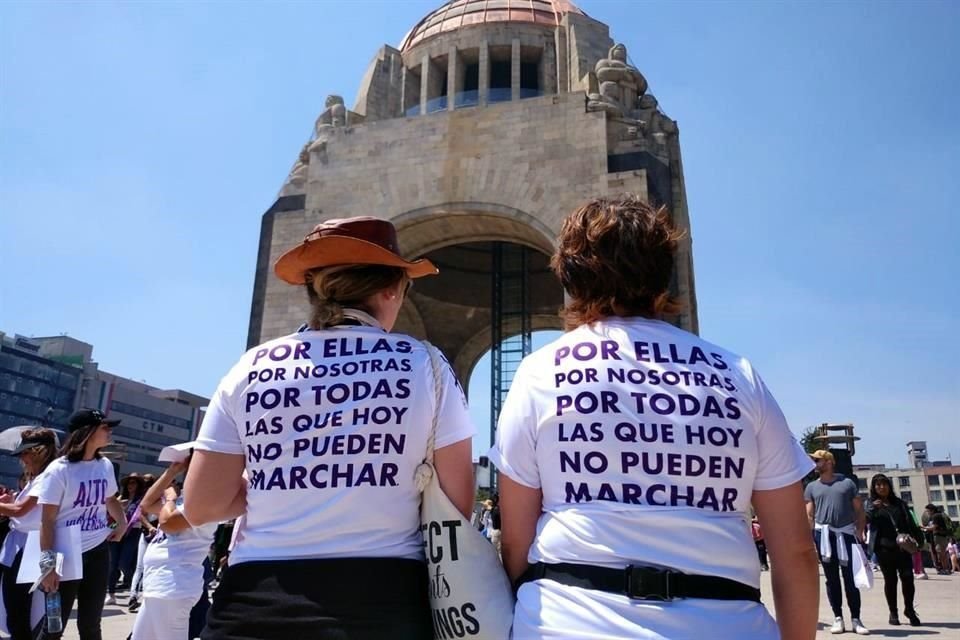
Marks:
<point>140,144</point>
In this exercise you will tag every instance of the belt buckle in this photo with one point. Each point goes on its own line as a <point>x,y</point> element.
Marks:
<point>647,583</point>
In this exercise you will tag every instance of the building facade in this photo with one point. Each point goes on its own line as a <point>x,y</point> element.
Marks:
<point>43,380</point>
<point>487,125</point>
<point>920,483</point>
<point>943,482</point>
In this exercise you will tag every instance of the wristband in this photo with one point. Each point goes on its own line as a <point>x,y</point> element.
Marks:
<point>48,560</point>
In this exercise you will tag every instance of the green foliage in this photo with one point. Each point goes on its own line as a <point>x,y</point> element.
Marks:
<point>808,442</point>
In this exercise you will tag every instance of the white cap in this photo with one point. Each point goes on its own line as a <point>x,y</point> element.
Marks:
<point>176,452</point>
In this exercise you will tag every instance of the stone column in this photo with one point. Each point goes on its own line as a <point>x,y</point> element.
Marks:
<point>515,69</point>
<point>483,83</point>
<point>563,73</point>
<point>453,77</point>
<point>424,83</point>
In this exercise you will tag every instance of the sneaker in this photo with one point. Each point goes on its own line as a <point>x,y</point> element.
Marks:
<point>858,627</point>
<point>111,599</point>
<point>894,619</point>
<point>837,626</point>
<point>912,617</point>
<point>921,576</point>
<point>133,605</point>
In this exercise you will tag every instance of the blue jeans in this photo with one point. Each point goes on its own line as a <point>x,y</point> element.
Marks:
<point>832,570</point>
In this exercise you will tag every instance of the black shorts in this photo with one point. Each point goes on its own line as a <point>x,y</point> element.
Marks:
<point>322,599</point>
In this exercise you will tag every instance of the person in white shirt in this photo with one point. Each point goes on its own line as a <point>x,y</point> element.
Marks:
<point>37,449</point>
<point>79,490</point>
<point>630,452</point>
<point>330,424</point>
<point>172,563</point>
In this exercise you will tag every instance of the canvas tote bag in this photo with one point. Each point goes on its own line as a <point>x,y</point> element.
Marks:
<point>470,593</point>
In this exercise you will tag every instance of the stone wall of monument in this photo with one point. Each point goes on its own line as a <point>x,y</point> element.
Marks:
<point>533,160</point>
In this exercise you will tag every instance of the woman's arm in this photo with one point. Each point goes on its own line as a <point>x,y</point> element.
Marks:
<point>454,467</point>
<point>796,594</point>
<point>18,509</point>
<point>520,508</point>
<point>214,488</point>
<point>48,524</point>
<point>153,498</point>
<point>119,514</point>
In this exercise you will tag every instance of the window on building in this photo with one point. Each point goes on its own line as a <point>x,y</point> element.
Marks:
<point>862,483</point>
<point>951,495</point>
<point>956,478</point>
<point>471,77</point>
<point>500,72</point>
<point>904,481</point>
<point>936,496</point>
<point>952,510</point>
<point>529,78</point>
<point>934,481</point>
<point>906,496</point>
<point>948,479</point>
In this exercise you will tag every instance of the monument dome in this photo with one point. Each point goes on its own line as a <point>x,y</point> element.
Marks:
<point>459,14</point>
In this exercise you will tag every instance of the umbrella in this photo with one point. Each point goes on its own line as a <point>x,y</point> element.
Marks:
<point>10,437</point>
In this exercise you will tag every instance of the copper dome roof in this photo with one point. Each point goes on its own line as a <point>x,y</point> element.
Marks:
<point>457,14</point>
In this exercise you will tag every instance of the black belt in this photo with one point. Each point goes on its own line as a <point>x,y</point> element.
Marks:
<point>642,583</point>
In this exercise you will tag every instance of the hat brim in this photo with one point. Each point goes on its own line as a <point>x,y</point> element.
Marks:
<point>23,446</point>
<point>329,251</point>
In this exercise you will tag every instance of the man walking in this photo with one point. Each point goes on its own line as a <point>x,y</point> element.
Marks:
<point>836,514</point>
<point>938,527</point>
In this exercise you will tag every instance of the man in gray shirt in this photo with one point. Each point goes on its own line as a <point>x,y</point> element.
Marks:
<point>836,515</point>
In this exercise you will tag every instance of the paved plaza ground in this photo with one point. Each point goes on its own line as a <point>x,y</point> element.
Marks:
<point>938,602</point>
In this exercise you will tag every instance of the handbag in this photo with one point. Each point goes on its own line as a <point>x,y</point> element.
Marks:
<point>905,541</point>
<point>470,593</point>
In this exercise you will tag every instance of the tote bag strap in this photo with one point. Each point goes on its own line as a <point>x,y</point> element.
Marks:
<point>425,470</point>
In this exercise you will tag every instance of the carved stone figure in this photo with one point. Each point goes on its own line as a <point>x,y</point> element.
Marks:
<point>334,114</point>
<point>654,122</point>
<point>618,84</point>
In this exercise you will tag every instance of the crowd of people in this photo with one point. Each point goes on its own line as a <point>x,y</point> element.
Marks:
<point>622,447</point>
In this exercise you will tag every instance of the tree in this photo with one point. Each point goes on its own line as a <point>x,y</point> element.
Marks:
<point>810,444</point>
<point>808,440</point>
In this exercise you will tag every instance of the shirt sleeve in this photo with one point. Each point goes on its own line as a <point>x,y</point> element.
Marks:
<point>453,417</point>
<point>50,485</point>
<point>514,451</point>
<point>782,461</point>
<point>219,430</point>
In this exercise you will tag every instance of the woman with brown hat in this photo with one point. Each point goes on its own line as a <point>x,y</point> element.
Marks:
<point>37,449</point>
<point>629,454</point>
<point>330,424</point>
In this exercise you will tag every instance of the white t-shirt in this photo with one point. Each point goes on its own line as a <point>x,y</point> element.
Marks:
<point>332,425</point>
<point>29,521</point>
<point>81,489</point>
<point>173,562</point>
<point>647,443</point>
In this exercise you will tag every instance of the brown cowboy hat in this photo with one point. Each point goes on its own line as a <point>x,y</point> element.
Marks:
<point>360,240</point>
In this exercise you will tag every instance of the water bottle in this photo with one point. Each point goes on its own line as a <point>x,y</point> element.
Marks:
<point>54,622</point>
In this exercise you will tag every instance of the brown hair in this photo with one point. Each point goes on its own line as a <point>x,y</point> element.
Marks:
<point>615,257</point>
<point>46,447</point>
<point>330,289</point>
<point>73,448</point>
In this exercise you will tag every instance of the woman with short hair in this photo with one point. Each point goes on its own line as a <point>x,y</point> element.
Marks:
<point>79,489</point>
<point>172,564</point>
<point>629,453</point>
<point>37,449</point>
<point>331,423</point>
<point>888,517</point>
